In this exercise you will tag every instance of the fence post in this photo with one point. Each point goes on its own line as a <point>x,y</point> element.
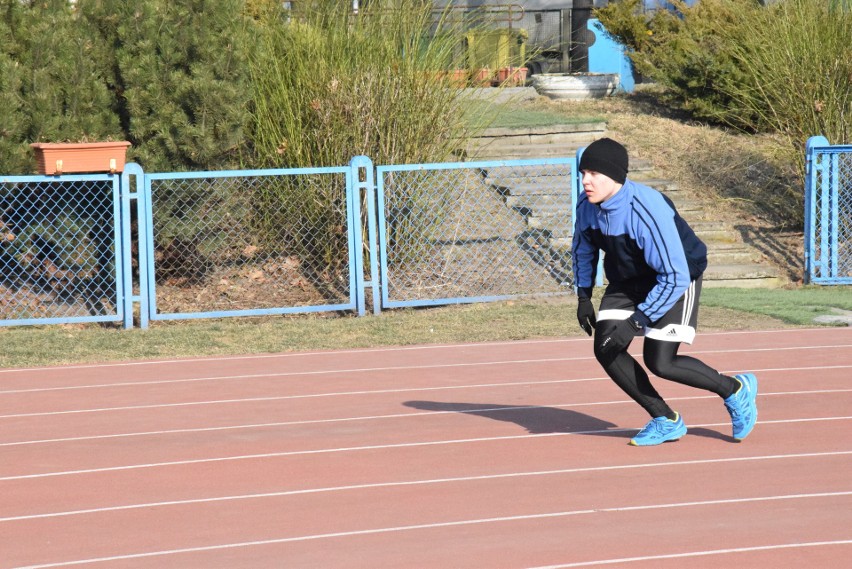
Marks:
<point>812,216</point>
<point>127,197</point>
<point>363,179</point>
<point>809,207</point>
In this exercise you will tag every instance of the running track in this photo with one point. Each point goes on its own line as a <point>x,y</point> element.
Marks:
<point>501,455</point>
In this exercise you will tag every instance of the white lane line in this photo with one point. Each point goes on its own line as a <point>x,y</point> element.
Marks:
<point>303,396</point>
<point>698,553</point>
<point>372,447</point>
<point>359,392</point>
<point>376,369</point>
<point>290,355</point>
<point>834,333</point>
<point>342,371</point>
<point>471,411</point>
<point>455,523</point>
<point>425,483</point>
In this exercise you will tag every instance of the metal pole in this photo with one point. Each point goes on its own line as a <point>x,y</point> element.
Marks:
<point>580,35</point>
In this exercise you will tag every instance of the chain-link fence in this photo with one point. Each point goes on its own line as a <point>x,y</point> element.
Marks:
<point>828,212</point>
<point>255,242</point>
<point>246,243</point>
<point>474,231</point>
<point>58,249</point>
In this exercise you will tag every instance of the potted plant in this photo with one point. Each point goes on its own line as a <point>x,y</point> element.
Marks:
<point>56,158</point>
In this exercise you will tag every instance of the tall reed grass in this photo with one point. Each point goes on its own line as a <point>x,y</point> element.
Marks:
<point>782,67</point>
<point>796,67</point>
<point>329,84</point>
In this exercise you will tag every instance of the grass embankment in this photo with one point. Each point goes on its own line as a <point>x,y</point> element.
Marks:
<point>722,309</point>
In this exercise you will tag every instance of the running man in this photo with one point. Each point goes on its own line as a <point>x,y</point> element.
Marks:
<point>653,262</point>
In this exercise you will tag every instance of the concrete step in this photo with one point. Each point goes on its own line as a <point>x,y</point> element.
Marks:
<point>665,186</point>
<point>742,255</point>
<point>732,271</point>
<point>519,174</point>
<point>579,134</point>
<point>533,142</point>
<point>546,206</point>
<point>559,211</point>
<point>746,275</point>
<point>549,185</point>
<point>639,169</point>
<point>523,152</point>
<point>692,210</point>
<point>541,203</point>
<point>555,227</point>
<point>715,232</point>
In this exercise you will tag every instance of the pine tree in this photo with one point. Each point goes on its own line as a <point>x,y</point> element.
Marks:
<point>63,89</point>
<point>180,76</point>
<point>14,157</point>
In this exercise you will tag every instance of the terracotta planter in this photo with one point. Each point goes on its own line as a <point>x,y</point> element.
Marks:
<point>512,76</point>
<point>481,77</point>
<point>55,158</point>
<point>458,77</point>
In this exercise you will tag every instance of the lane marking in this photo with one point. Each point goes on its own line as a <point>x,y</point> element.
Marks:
<point>833,331</point>
<point>368,486</point>
<point>495,409</point>
<point>343,371</point>
<point>289,374</point>
<point>359,392</point>
<point>435,525</point>
<point>371,447</point>
<point>698,553</point>
<point>303,396</point>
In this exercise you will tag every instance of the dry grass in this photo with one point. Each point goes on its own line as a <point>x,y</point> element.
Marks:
<point>483,322</point>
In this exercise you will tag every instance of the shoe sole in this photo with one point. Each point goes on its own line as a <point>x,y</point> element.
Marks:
<point>751,380</point>
<point>678,434</point>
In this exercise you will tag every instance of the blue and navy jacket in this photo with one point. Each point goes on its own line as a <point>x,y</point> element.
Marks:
<point>648,248</point>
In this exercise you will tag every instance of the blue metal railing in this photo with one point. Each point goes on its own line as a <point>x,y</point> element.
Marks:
<point>828,212</point>
<point>137,247</point>
<point>251,242</point>
<point>61,257</point>
<point>474,231</point>
<point>104,248</point>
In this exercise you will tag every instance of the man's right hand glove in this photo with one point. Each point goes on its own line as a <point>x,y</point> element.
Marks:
<point>586,314</point>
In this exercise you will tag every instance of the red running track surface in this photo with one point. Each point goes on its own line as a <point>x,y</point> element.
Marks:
<point>499,455</point>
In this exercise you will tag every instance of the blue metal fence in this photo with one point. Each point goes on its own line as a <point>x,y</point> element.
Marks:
<point>828,212</point>
<point>138,247</point>
<point>250,243</point>
<point>114,248</point>
<point>60,253</point>
<point>475,231</point>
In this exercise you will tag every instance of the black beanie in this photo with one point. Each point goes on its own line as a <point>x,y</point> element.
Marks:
<point>607,157</point>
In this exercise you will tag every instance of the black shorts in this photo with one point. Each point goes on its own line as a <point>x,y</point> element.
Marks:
<point>676,325</point>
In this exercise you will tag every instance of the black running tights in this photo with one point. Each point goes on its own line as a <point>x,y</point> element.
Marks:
<point>662,360</point>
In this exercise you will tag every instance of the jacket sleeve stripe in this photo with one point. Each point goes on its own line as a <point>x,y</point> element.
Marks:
<point>661,298</point>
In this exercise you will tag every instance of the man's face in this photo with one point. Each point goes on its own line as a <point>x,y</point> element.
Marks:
<point>599,187</point>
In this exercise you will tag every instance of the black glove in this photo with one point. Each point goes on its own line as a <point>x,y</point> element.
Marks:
<point>586,314</point>
<point>620,336</point>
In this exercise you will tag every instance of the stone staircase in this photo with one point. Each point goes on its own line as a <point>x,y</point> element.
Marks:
<point>545,201</point>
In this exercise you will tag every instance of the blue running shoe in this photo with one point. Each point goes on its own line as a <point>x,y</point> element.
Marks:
<point>659,430</point>
<point>742,405</point>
